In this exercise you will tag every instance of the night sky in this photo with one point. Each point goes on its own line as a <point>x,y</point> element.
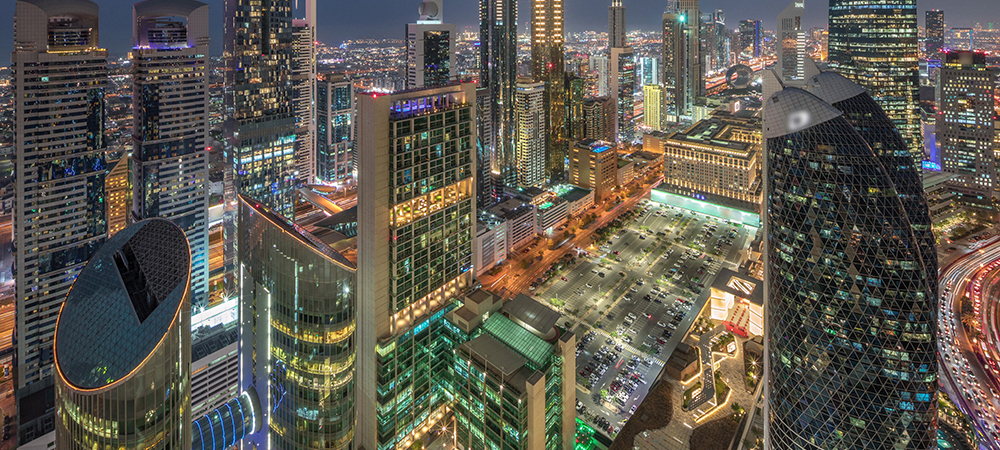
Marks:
<point>346,19</point>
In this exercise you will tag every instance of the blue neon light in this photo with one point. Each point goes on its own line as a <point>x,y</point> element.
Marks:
<point>221,425</point>
<point>931,166</point>
<point>233,420</point>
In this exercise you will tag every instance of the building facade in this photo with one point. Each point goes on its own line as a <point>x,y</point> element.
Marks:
<point>170,124</point>
<point>491,242</point>
<point>616,25</point>
<point>430,46</point>
<point>298,311</point>
<point>934,24</point>
<point>652,94</point>
<point>599,118</point>
<point>416,231</point>
<point>60,171</point>
<point>548,66</point>
<point>886,64</point>
<point>791,45</point>
<point>335,129</point>
<point>135,290</point>
<point>260,130</point>
<point>861,392</point>
<point>594,166</point>
<point>530,151</point>
<point>118,188</point>
<point>521,221</point>
<point>304,86</point>
<point>964,124</point>
<point>751,37</point>
<point>498,72</point>
<point>674,76</point>
<point>623,90</point>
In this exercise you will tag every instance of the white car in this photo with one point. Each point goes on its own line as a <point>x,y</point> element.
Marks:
<point>661,324</point>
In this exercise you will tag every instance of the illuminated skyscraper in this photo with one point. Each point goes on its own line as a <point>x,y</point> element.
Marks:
<point>416,229</point>
<point>850,338</point>
<point>530,149</point>
<point>498,72</point>
<point>652,94</point>
<point>304,85</point>
<point>430,47</point>
<point>647,70</point>
<point>790,65</point>
<point>260,124</point>
<point>118,191</point>
<point>547,65</point>
<point>298,313</point>
<point>616,25</point>
<point>334,128</point>
<point>170,124</point>
<point>673,79</point>
<point>934,24</point>
<point>59,169</point>
<point>964,125</point>
<point>123,345</point>
<point>622,87</point>
<point>874,44</point>
<point>751,36</point>
<point>695,72</point>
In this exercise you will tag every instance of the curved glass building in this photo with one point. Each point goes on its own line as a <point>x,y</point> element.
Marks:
<point>297,347</point>
<point>850,332</point>
<point>123,345</point>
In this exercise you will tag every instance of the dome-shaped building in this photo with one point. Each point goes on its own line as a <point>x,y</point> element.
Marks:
<point>123,345</point>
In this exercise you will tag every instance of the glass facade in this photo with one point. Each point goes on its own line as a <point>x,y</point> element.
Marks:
<point>935,33</point>
<point>547,65</point>
<point>260,128</point>
<point>437,59</point>
<point>850,324</point>
<point>751,36</point>
<point>334,129</point>
<point>123,345</point>
<point>624,72</point>
<point>874,44</point>
<point>498,72</point>
<point>965,124</point>
<point>300,301</point>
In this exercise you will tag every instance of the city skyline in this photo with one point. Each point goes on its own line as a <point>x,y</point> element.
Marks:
<point>375,21</point>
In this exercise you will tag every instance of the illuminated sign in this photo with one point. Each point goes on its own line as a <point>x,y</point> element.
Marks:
<point>739,284</point>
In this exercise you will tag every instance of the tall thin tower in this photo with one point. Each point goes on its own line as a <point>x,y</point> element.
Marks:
<point>616,24</point>
<point>621,83</point>
<point>260,131</point>
<point>791,43</point>
<point>430,46</point>
<point>498,56</point>
<point>304,84</point>
<point>59,166</point>
<point>170,124</point>
<point>547,65</point>
<point>874,44</point>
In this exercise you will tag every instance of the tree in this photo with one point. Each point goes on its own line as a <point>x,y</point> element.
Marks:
<point>970,320</point>
<point>419,445</point>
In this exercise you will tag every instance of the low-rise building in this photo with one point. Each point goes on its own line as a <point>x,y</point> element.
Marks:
<point>491,242</point>
<point>594,165</point>
<point>552,213</point>
<point>942,201</point>
<point>626,171</point>
<point>738,302</point>
<point>683,362</point>
<point>579,199</point>
<point>520,218</point>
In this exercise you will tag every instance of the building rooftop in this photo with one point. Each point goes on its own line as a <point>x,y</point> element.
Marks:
<point>524,342</point>
<point>122,304</point>
<point>570,193</point>
<point>531,312</point>
<point>494,355</point>
<point>511,209</point>
<point>742,286</point>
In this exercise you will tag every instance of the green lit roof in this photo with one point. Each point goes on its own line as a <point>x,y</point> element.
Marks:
<point>522,341</point>
<point>545,205</point>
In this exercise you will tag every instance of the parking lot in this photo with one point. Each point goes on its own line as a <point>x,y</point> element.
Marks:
<point>634,300</point>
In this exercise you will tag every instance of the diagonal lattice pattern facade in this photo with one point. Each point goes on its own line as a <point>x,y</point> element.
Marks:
<point>850,333</point>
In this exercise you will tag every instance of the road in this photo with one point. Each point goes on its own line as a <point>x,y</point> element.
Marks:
<point>963,376</point>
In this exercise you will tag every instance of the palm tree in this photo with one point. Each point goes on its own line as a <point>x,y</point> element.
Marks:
<point>970,320</point>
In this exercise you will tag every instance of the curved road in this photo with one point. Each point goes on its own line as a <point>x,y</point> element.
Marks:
<point>962,374</point>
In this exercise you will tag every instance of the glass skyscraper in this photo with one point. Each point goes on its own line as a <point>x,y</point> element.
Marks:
<point>498,72</point>
<point>547,65</point>
<point>335,128</point>
<point>123,345</point>
<point>874,44</point>
<point>934,24</point>
<point>850,325</point>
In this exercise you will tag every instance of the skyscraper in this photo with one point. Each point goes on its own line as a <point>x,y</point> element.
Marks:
<point>652,94</point>
<point>547,65</point>
<point>416,228</point>
<point>430,46</point>
<point>693,64</point>
<point>298,311</point>
<point>59,171</point>
<point>334,128</point>
<point>790,65</point>
<point>170,124</point>
<point>616,25</point>
<point>530,148</point>
<point>839,362</point>
<point>675,93</point>
<point>260,128</point>
<point>647,70</point>
<point>934,24</point>
<point>965,126</point>
<point>304,86</point>
<point>874,44</point>
<point>498,72</point>
<point>123,345</point>
<point>716,39</point>
<point>750,37</point>
<point>484,147</point>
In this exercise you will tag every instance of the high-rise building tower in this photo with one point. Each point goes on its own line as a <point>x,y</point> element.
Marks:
<point>874,44</point>
<point>716,41</point>
<point>298,305</point>
<point>304,87</point>
<point>530,148</point>
<point>751,36</point>
<point>647,70</point>
<point>576,93</point>
<point>674,76</point>
<point>616,25</point>
<point>791,47</point>
<point>430,48</point>
<point>652,95</point>
<point>547,65</point>
<point>693,63</point>
<point>334,128</point>
<point>170,124</point>
<point>823,310</point>
<point>123,345</point>
<point>934,24</point>
<point>118,192</point>
<point>498,72</point>
<point>965,126</point>
<point>416,228</point>
<point>260,124</point>
<point>59,171</point>
<point>622,88</point>
<point>484,146</point>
